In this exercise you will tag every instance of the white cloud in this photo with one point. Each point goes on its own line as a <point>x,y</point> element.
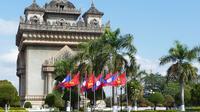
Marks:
<point>8,27</point>
<point>151,65</point>
<point>9,57</point>
<point>197,64</point>
<point>8,66</point>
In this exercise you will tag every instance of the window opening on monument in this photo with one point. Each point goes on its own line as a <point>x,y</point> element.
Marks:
<point>62,22</point>
<point>94,23</point>
<point>35,19</point>
<point>62,7</point>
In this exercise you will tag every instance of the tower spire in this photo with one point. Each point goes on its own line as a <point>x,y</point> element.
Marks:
<point>34,1</point>
<point>92,5</point>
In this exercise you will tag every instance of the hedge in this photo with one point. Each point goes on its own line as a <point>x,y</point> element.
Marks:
<point>147,111</point>
<point>156,111</point>
<point>14,109</point>
<point>193,109</point>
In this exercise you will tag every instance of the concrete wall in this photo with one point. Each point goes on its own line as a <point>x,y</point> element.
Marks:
<point>35,58</point>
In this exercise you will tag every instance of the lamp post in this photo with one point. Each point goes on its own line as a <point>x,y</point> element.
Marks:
<point>121,98</point>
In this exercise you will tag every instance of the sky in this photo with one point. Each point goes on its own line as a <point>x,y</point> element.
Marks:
<point>155,25</point>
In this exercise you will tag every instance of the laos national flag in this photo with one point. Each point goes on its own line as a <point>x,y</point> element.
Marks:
<point>99,82</point>
<point>65,80</point>
<point>109,79</point>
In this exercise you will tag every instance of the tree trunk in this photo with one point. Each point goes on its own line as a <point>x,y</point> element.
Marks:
<point>182,96</point>
<point>115,100</point>
<point>135,105</point>
<point>155,106</point>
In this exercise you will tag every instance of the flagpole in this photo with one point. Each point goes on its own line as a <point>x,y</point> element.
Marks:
<point>86,102</point>
<point>127,96</point>
<point>111,97</point>
<point>78,98</point>
<point>70,95</point>
<point>121,98</point>
<point>94,98</point>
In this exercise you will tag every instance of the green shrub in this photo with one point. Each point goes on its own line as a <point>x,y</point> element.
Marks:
<point>144,111</point>
<point>157,111</point>
<point>156,98</point>
<point>17,108</point>
<point>193,109</point>
<point>144,102</point>
<point>28,105</point>
<point>8,94</point>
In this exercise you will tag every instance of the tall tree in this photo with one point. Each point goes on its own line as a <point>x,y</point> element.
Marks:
<point>154,82</point>
<point>182,70</point>
<point>135,91</point>
<point>8,94</point>
<point>109,50</point>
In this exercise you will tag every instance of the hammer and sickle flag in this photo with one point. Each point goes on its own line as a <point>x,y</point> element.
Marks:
<point>120,81</point>
<point>75,81</point>
<point>90,82</point>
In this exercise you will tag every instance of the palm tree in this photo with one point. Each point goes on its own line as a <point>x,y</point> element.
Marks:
<point>135,73</point>
<point>134,87</point>
<point>181,69</point>
<point>110,50</point>
<point>135,91</point>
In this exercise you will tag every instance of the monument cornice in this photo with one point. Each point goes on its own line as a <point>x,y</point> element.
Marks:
<point>57,28</point>
<point>58,33</point>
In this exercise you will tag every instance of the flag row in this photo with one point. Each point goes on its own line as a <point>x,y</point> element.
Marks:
<point>93,82</point>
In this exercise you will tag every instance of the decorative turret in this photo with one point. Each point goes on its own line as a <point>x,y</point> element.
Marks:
<point>93,16</point>
<point>34,13</point>
<point>57,12</point>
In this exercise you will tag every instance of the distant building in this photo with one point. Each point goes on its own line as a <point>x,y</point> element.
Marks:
<point>45,35</point>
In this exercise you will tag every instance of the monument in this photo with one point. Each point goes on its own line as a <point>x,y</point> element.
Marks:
<point>47,34</point>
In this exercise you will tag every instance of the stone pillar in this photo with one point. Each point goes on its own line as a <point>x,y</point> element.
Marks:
<point>48,71</point>
<point>23,85</point>
<point>50,82</point>
<point>20,86</point>
<point>45,84</point>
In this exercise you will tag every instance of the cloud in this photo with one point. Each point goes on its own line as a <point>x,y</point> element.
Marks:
<point>151,65</point>
<point>8,66</point>
<point>9,57</point>
<point>8,27</point>
<point>197,64</point>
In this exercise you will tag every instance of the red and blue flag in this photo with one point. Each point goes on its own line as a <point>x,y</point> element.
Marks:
<point>99,83</point>
<point>109,79</point>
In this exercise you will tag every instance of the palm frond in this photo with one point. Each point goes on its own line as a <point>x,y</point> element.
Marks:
<point>167,59</point>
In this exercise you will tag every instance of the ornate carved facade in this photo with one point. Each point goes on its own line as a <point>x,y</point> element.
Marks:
<point>46,35</point>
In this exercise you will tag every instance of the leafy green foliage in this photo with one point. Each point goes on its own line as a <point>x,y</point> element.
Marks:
<point>169,101</point>
<point>195,95</point>
<point>154,82</point>
<point>8,94</point>
<point>156,98</point>
<point>135,90</point>
<point>53,101</point>
<point>143,102</point>
<point>172,89</point>
<point>28,105</point>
